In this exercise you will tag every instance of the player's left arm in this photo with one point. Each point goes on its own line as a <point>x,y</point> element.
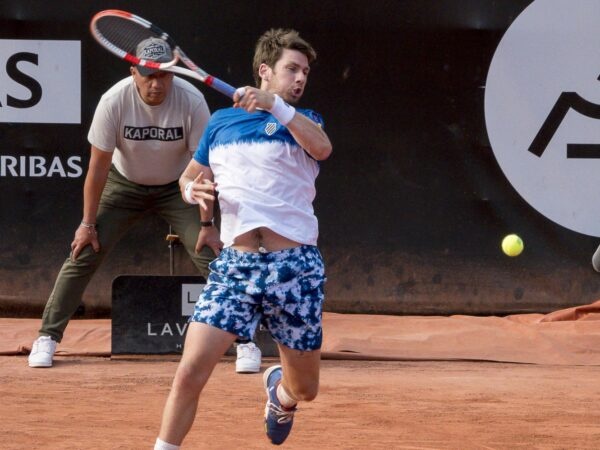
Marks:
<point>197,186</point>
<point>196,183</point>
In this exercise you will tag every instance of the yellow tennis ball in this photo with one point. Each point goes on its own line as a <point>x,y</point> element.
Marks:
<point>512,245</point>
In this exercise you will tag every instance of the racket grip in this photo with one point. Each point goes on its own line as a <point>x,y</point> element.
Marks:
<point>222,87</point>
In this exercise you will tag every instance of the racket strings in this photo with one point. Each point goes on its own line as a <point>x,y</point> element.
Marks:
<point>123,34</point>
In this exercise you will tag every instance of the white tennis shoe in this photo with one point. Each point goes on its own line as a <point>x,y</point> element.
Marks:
<point>248,358</point>
<point>42,352</point>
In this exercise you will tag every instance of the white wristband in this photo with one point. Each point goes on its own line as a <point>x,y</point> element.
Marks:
<point>282,111</point>
<point>187,194</point>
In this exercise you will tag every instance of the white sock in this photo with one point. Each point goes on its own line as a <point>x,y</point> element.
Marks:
<point>284,398</point>
<point>162,445</point>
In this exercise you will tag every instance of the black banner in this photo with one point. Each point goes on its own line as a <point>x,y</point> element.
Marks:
<point>412,205</point>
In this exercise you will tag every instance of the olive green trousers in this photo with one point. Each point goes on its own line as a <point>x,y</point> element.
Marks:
<point>122,204</point>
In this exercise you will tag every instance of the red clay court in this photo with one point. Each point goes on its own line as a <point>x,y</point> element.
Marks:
<point>460,382</point>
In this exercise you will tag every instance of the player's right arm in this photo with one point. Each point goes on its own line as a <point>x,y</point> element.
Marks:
<point>95,180</point>
<point>309,135</point>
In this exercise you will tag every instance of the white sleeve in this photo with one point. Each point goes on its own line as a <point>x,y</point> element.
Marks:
<point>103,130</point>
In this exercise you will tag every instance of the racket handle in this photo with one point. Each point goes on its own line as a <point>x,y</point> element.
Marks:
<point>221,86</point>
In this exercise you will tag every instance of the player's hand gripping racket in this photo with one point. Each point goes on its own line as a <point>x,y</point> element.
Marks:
<point>120,32</point>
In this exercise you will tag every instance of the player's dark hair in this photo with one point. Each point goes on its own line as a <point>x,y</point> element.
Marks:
<point>272,43</point>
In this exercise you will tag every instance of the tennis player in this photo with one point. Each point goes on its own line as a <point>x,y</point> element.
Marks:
<point>261,157</point>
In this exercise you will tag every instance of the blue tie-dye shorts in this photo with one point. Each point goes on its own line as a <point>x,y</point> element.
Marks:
<point>283,290</point>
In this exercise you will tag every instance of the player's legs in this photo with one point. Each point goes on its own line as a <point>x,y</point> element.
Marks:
<point>300,372</point>
<point>293,308</point>
<point>224,311</point>
<point>297,379</point>
<point>185,221</point>
<point>204,347</point>
<point>120,206</point>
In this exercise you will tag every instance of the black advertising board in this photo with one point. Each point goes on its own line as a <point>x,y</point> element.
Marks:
<point>417,196</point>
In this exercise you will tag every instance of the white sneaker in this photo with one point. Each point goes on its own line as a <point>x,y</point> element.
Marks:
<point>42,351</point>
<point>248,358</point>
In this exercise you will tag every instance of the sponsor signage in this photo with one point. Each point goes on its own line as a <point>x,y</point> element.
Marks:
<point>40,81</point>
<point>150,313</point>
<point>39,166</point>
<point>542,110</point>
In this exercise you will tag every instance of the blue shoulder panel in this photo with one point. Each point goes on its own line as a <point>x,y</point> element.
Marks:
<point>233,125</point>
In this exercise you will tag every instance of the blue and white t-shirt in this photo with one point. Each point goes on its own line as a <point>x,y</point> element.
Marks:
<point>264,178</point>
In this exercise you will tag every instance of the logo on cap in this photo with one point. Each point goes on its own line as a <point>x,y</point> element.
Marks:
<point>154,50</point>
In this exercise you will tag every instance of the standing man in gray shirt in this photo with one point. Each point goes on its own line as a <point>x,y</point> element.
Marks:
<point>144,132</point>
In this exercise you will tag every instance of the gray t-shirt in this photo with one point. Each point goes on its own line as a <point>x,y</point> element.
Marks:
<point>152,145</point>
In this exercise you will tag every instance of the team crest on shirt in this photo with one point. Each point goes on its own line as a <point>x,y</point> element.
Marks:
<point>270,128</point>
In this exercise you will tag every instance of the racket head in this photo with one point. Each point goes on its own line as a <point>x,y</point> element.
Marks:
<point>121,32</point>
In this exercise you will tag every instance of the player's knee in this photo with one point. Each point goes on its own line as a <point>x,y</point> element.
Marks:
<point>188,380</point>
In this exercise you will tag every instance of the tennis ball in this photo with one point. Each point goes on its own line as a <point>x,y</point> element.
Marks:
<point>512,245</point>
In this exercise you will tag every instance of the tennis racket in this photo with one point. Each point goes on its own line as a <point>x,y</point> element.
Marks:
<point>120,32</point>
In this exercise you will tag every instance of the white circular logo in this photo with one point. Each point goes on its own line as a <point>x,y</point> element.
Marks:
<point>542,110</point>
